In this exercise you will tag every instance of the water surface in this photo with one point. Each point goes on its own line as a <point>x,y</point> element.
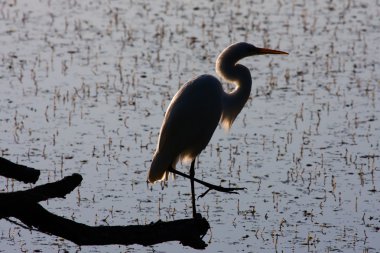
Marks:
<point>85,84</point>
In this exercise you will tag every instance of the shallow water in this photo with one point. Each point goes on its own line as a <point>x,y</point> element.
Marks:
<point>85,84</point>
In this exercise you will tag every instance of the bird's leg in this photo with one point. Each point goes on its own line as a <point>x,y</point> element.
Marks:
<point>192,173</point>
<point>210,186</point>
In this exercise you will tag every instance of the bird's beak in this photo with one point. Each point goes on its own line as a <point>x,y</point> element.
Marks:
<point>269,51</point>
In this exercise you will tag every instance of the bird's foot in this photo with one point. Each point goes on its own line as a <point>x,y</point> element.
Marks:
<point>208,185</point>
<point>221,189</point>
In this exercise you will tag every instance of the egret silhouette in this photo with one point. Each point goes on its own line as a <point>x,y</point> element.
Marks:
<point>195,111</point>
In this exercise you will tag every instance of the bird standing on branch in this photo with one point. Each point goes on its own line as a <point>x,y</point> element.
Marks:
<point>195,111</point>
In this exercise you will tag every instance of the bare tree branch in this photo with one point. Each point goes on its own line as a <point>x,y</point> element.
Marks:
<point>187,231</point>
<point>47,191</point>
<point>19,172</point>
<point>23,205</point>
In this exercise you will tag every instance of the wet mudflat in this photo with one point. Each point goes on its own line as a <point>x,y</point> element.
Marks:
<point>85,84</point>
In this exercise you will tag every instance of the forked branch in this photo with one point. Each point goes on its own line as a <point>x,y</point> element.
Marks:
<point>24,206</point>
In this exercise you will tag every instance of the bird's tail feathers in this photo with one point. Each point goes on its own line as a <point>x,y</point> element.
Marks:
<point>159,169</point>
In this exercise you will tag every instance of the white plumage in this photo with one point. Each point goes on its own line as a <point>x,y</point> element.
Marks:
<point>198,107</point>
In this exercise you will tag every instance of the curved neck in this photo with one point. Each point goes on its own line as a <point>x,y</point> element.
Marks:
<point>233,102</point>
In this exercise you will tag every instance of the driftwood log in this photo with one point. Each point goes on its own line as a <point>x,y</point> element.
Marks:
<point>24,206</point>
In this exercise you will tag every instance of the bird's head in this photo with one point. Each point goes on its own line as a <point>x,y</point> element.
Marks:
<point>244,49</point>
<point>226,63</point>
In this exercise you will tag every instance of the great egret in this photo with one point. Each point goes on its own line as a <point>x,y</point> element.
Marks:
<point>196,109</point>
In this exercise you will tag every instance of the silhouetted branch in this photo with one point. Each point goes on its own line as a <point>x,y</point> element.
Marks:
<point>187,231</point>
<point>47,191</point>
<point>19,172</point>
<point>24,206</point>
